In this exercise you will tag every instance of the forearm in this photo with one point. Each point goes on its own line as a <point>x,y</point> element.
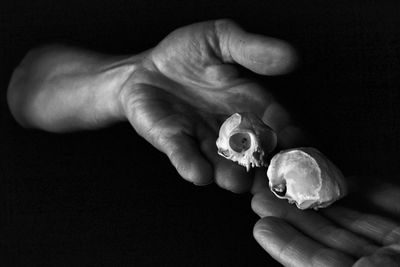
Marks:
<point>58,89</point>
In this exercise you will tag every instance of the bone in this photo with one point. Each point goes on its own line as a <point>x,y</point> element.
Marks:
<point>244,138</point>
<point>306,177</point>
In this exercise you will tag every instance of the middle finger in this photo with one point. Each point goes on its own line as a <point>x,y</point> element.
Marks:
<point>312,224</point>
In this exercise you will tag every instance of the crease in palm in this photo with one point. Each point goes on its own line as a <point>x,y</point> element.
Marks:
<point>180,96</point>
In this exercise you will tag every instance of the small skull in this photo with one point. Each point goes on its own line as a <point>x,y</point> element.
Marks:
<point>304,176</point>
<point>246,139</point>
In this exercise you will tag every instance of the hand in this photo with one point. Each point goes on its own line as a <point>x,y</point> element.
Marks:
<point>186,86</point>
<point>344,234</point>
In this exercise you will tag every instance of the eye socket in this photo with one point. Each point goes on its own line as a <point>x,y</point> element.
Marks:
<point>279,189</point>
<point>240,142</point>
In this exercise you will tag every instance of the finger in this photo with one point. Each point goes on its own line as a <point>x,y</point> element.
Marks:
<point>386,197</point>
<point>252,97</point>
<point>292,248</point>
<point>261,54</point>
<point>260,182</point>
<point>312,224</point>
<point>185,156</point>
<point>227,174</point>
<point>155,120</point>
<point>387,256</point>
<point>380,229</point>
<point>276,116</point>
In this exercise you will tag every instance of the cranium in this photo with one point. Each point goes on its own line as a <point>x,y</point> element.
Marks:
<point>304,176</point>
<point>245,139</point>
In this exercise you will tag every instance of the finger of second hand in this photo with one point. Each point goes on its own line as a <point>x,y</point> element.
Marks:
<point>313,224</point>
<point>382,230</point>
<point>388,256</point>
<point>386,197</point>
<point>292,248</point>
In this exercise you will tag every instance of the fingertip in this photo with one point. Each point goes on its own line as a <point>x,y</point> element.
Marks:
<point>269,56</point>
<point>188,161</point>
<point>232,177</point>
<point>202,175</point>
<point>265,204</point>
<point>257,229</point>
<point>227,174</point>
<point>265,227</point>
<point>266,56</point>
<point>260,182</point>
<point>196,170</point>
<point>283,58</point>
<point>255,204</point>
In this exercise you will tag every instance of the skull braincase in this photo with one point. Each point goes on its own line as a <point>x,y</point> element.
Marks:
<point>304,176</point>
<point>246,139</point>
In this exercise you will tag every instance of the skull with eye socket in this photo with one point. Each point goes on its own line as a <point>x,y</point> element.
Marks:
<point>304,176</point>
<point>246,139</point>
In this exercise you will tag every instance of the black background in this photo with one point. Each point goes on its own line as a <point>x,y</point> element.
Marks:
<point>108,198</point>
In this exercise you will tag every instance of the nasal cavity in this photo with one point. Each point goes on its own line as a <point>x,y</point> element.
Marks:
<point>240,142</point>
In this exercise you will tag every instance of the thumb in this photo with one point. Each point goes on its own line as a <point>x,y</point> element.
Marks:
<point>261,54</point>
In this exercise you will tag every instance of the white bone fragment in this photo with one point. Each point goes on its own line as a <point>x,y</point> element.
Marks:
<point>304,176</point>
<point>246,139</point>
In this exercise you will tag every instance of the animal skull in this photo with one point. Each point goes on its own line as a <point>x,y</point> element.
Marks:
<point>306,177</point>
<point>246,139</point>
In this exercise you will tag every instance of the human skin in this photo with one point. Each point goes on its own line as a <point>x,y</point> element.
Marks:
<point>175,95</point>
<point>361,231</point>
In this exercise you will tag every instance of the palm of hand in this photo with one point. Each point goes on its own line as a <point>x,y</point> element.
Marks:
<point>341,235</point>
<point>181,94</point>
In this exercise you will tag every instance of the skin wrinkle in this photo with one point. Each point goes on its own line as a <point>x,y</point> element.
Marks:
<point>185,68</point>
<point>288,247</point>
<point>214,43</point>
<point>362,224</point>
<point>320,256</point>
<point>283,213</point>
<point>215,39</point>
<point>268,228</point>
<point>163,139</point>
<point>335,234</point>
<point>201,51</point>
<point>208,98</point>
<point>266,246</point>
<point>327,230</point>
<point>224,36</point>
<point>148,78</point>
<point>133,104</point>
<point>327,255</point>
<point>335,237</point>
<point>391,236</point>
<point>362,221</point>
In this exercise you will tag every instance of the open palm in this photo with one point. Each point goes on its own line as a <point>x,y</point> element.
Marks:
<point>362,230</point>
<point>187,85</point>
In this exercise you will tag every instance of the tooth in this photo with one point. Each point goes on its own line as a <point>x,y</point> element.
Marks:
<point>247,139</point>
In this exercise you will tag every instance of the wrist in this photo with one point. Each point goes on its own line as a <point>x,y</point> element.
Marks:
<point>109,100</point>
<point>141,72</point>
